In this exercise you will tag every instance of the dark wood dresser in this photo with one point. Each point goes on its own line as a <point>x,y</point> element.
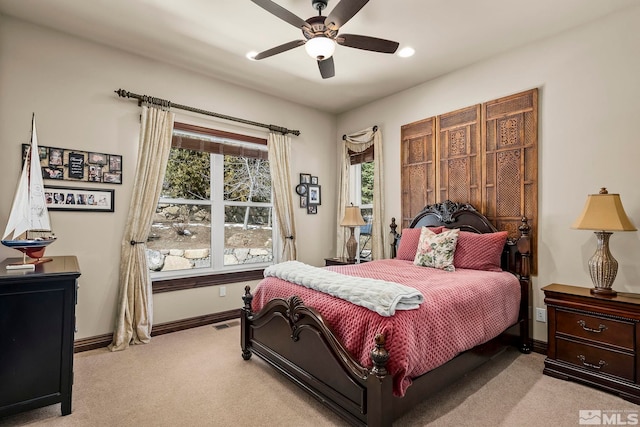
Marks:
<point>337,261</point>
<point>37,325</point>
<point>594,340</point>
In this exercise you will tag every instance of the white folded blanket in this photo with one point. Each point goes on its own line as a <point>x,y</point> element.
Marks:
<point>378,295</point>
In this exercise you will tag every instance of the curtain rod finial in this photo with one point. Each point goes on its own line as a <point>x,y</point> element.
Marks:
<point>375,128</point>
<point>344,137</point>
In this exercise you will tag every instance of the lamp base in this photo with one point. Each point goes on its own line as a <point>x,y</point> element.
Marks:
<point>603,267</point>
<point>603,292</point>
<point>352,247</point>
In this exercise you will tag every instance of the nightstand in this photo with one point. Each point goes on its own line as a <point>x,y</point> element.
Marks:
<point>594,340</point>
<point>337,261</point>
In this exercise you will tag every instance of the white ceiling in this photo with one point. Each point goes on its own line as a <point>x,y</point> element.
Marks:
<point>213,36</point>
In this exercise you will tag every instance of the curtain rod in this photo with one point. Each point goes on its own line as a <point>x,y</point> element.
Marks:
<point>158,101</point>
<point>344,137</point>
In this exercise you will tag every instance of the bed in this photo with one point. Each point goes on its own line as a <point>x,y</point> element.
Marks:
<point>316,349</point>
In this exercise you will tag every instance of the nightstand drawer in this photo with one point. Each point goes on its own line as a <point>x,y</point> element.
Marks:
<point>600,329</point>
<point>596,359</point>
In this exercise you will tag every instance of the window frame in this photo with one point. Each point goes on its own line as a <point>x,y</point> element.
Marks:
<point>217,274</point>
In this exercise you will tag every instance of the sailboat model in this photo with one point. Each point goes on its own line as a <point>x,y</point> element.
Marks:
<point>29,222</point>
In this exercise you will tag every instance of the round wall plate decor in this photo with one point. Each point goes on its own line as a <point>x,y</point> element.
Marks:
<point>301,189</point>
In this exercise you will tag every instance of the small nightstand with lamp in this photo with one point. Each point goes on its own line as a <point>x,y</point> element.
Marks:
<point>352,218</point>
<point>604,214</point>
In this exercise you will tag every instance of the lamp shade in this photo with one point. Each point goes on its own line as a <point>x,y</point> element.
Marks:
<point>604,212</point>
<point>352,217</point>
<point>320,47</point>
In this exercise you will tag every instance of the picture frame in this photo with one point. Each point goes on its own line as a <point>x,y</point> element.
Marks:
<point>314,180</point>
<point>305,178</point>
<point>115,163</point>
<point>53,173</point>
<point>303,201</point>
<point>112,178</point>
<point>55,156</point>
<point>95,173</point>
<point>60,198</point>
<point>64,164</point>
<point>312,209</point>
<point>314,195</point>
<point>98,159</point>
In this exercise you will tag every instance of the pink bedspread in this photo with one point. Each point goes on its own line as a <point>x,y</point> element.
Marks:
<point>462,309</point>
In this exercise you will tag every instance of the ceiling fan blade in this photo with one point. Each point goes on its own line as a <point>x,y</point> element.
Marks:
<point>279,49</point>
<point>327,68</point>
<point>343,12</point>
<point>367,43</point>
<point>282,13</point>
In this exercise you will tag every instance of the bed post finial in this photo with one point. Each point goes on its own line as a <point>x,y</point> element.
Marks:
<point>245,323</point>
<point>247,298</point>
<point>394,238</point>
<point>380,356</point>
<point>524,247</point>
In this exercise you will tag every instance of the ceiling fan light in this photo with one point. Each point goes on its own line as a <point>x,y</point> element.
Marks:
<point>320,48</point>
<point>406,52</point>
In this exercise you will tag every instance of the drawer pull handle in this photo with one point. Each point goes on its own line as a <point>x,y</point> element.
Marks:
<point>600,364</point>
<point>601,327</point>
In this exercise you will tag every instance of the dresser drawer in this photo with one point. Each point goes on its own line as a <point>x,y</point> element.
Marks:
<point>596,359</point>
<point>595,328</point>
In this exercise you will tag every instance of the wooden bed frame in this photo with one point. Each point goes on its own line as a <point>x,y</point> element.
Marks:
<point>296,341</point>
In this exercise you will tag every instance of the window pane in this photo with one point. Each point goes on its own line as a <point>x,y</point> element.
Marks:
<point>365,233</point>
<point>366,177</point>
<point>246,179</point>
<point>247,235</point>
<point>187,175</point>
<point>180,237</point>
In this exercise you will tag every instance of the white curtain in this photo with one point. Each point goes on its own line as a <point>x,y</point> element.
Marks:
<point>279,160</point>
<point>359,142</point>
<point>135,305</point>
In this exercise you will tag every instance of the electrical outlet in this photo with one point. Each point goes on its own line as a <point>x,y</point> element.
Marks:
<point>223,291</point>
<point>541,315</point>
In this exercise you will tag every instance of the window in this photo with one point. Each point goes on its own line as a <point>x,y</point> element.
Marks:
<point>215,211</point>
<point>361,174</point>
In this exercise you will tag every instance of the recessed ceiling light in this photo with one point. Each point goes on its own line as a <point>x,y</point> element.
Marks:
<point>251,55</point>
<point>406,52</point>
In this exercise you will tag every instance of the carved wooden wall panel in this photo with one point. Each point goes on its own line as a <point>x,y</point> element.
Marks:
<point>511,163</point>
<point>418,169</point>
<point>486,155</point>
<point>458,152</point>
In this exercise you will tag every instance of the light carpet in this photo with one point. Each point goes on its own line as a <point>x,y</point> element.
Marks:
<point>197,377</point>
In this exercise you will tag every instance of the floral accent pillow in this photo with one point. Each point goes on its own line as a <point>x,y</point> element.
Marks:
<point>437,250</point>
<point>409,242</point>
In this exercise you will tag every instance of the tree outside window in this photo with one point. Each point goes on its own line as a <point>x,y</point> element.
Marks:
<point>215,210</point>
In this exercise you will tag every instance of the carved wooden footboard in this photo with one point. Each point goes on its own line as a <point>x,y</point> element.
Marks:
<point>296,341</point>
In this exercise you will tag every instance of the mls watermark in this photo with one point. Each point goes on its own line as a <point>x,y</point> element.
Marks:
<point>598,417</point>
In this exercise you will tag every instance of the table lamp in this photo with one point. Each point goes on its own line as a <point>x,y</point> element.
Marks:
<point>603,213</point>
<point>352,218</point>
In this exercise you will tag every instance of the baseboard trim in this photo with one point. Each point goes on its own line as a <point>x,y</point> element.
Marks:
<point>194,322</point>
<point>91,343</point>
<point>540,347</point>
<point>99,341</point>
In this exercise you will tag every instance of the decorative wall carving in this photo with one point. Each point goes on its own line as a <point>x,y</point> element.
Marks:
<point>485,155</point>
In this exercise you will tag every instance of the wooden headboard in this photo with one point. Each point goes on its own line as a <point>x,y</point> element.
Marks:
<point>516,256</point>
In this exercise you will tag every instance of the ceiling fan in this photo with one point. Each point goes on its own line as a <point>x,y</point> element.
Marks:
<point>321,33</point>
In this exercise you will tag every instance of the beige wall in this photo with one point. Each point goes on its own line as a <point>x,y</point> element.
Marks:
<point>588,81</point>
<point>69,84</point>
<point>588,107</point>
